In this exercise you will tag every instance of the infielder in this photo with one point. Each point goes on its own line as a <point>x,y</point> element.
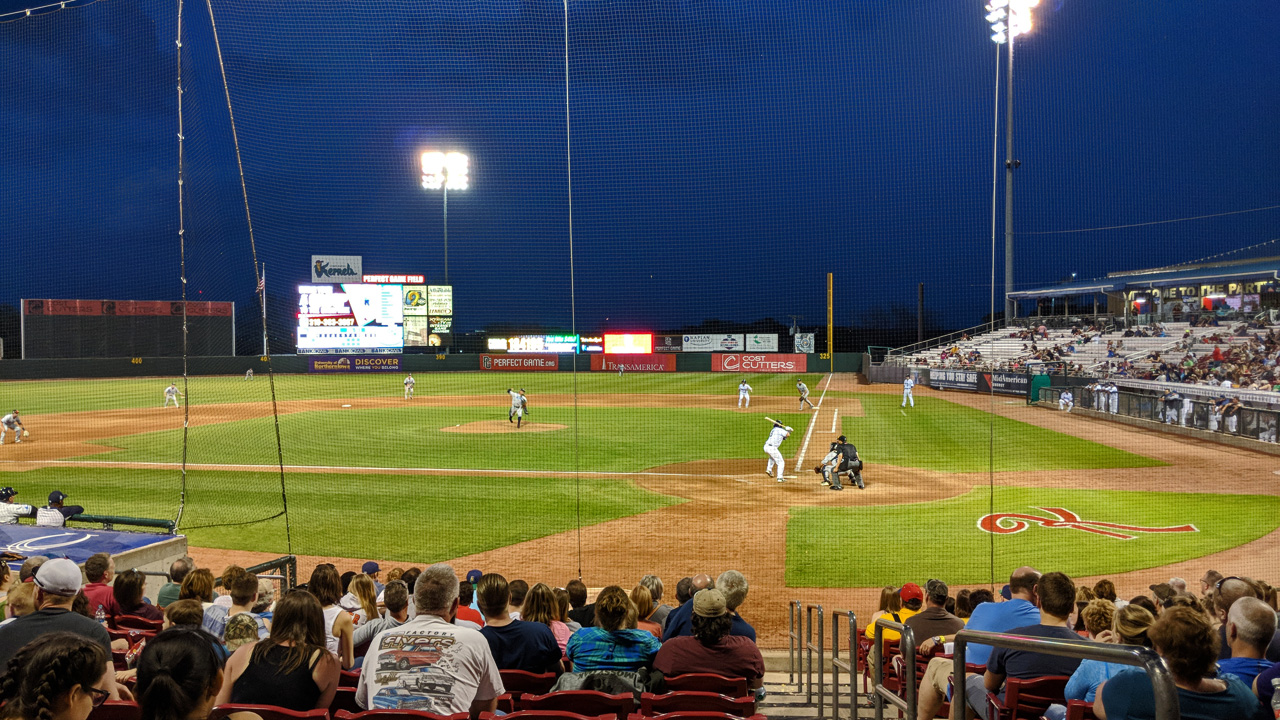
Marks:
<point>907,397</point>
<point>744,394</point>
<point>12,421</point>
<point>171,393</point>
<point>804,394</point>
<point>248,374</point>
<point>408,387</point>
<point>1066,401</point>
<point>842,458</point>
<point>518,405</point>
<point>779,433</point>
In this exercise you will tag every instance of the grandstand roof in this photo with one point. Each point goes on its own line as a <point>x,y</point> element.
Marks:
<point>1240,270</point>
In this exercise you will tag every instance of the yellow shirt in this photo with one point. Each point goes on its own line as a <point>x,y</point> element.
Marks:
<point>902,614</point>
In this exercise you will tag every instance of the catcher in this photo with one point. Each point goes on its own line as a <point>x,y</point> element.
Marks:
<point>13,421</point>
<point>842,458</point>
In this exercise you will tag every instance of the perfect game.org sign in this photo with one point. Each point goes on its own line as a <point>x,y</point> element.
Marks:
<point>354,363</point>
<point>520,362</point>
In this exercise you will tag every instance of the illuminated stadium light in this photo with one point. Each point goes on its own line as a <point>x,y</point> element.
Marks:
<point>446,171</point>
<point>1009,18</point>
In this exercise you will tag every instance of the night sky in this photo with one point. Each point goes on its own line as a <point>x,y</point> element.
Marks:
<point>726,154</point>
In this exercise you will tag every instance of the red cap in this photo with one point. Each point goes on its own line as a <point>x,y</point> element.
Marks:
<point>911,591</point>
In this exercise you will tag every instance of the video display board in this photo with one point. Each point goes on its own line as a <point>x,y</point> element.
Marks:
<point>628,343</point>
<point>567,344</point>
<point>350,318</point>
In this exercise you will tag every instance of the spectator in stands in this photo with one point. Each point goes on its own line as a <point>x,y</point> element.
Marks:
<point>266,600</point>
<point>345,580</point>
<point>979,596</point>
<point>366,596</point>
<point>1227,591</point>
<point>1084,596</point>
<point>6,584</point>
<point>241,630</point>
<point>466,593</point>
<point>473,577</point>
<point>244,593</point>
<point>291,668</point>
<point>711,649</point>
<point>28,569</point>
<point>562,609</point>
<point>1145,602</point>
<point>326,586</point>
<point>1251,624</point>
<point>10,511</point>
<point>912,597</point>
<point>396,600</point>
<point>581,612</point>
<point>1105,589</point>
<point>934,621</point>
<point>644,610</point>
<point>890,604</point>
<point>1128,627</point>
<point>1187,643</point>
<point>127,593</point>
<point>542,606</point>
<point>99,570</point>
<point>228,578</point>
<point>1209,581</point>
<point>177,573</point>
<point>962,603</point>
<point>610,645</point>
<point>410,577</point>
<point>184,613</point>
<point>179,676</point>
<point>1056,596</point>
<point>20,601</point>
<point>515,644</point>
<point>60,676</point>
<point>461,654</point>
<point>55,514</point>
<point>684,590</point>
<point>1018,611</point>
<point>197,585</point>
<point>734,587</point>
<point>519,589</point>
<point>660,611</point>
<point>371,569</point>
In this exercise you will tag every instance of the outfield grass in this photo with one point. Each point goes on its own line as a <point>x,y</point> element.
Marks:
<point>940,435</point>
<point>850,547</point>
<point>418,519</point>
<point>57,396</point>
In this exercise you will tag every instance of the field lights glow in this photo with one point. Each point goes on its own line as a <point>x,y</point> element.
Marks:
<point>450,171</point>
<point>1009,18</point>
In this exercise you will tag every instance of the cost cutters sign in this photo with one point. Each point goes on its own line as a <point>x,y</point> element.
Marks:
<point>762,363</point>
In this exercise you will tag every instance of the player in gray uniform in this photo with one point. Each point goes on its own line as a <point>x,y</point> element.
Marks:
<point>840,459</point>
<point>12,421</point>
<point>1172,405</point>
<point>1066,401</point>
<point>408,387</point>
<point>11,511</point>
<point>519,406</point>
<point>804,395</point>
<point>171,393</point>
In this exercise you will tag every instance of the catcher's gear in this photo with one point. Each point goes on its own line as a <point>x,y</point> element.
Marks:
<point>818,469</point>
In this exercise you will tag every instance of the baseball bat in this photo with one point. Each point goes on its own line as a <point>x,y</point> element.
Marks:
<point>766,417</point>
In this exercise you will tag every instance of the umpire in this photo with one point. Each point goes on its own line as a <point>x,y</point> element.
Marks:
<point>844,458</point>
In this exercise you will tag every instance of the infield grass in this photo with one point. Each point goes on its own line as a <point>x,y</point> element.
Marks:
<point>849,546</point>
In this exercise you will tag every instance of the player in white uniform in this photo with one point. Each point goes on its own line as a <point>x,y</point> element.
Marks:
<point>171,393</point>
<point>1113,395</point>
<point>248,374</point>
<point>804,394</point>
<point>744,394</point>
<point>1066,401</point>
<point>907,397</point>
<point>11,511</point>
<point>13,422</point>
<point>518,403</point>
<point>408,387</point>
<point>779,433</point>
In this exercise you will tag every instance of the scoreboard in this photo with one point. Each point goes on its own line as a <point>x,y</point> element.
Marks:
<point>350,318</point>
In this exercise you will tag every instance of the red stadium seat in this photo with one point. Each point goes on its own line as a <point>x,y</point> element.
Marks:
<point>131,635</point>
<point>707,682</point>
<point>582,702</point>
<point>349,678</point>
<point>1080,710</point>
<point>135,622</point>
<point>519,682</point>
<point>1027,698</point>
<point>396,715</point>
<point>117,710</point>
<point>543,715</point>
<point>651,704</point>
<point>344,699</point>
<point>702,715</point>
<point>267,712</point>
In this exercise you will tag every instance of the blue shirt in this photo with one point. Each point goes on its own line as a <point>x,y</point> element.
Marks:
<point>1128,696</point>
<point>595,648</point>
<point>521,645</point>
<point>680,622</point>
<point>998,617</point>
<point>1084,682</point>
<point>1243,669</point>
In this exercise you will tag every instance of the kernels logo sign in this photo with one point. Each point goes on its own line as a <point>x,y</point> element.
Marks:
<point>337,268</point>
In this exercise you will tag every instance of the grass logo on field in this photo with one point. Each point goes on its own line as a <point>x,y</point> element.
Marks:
<point>1010,523</point>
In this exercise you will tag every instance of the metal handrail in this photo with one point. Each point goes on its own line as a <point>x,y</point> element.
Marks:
<point>943,339</point>
<point>287,564</point>
<point>1166,693</point>
<point>907,648</point>
<point>809,650</point>
<point>850,665</point>
<point>794,617</point>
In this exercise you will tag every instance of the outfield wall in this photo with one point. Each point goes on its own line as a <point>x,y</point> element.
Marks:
<point>69,368</point>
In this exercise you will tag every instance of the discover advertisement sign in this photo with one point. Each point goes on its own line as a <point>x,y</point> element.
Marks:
<point>353,363</point>
<point>758,363</point>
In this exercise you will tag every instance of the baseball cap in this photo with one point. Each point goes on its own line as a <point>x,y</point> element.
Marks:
<point>841,439</point>
<point>473,576</point>
<point>709,603</point>
<point>1162,591</point>
<point>7,492</point>
<point>1006,592</point>
<point>911,591</point>
<point>369,568</point>
<point>936,588</point>
<point>59,576</point>
<point>57,496</point>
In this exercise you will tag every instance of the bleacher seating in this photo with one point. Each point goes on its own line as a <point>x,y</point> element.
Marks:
<point>117,710</point>
<point>1027,698</point>
<point>651,704</point>
<point>585,702</point>
<point>705,682</point>
<point>267,712</point>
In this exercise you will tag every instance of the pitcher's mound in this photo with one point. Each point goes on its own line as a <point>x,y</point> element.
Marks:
<point>502,426</point>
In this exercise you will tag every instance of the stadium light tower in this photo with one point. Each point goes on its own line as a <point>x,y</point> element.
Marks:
<point>446,171</point>
<point>1009,19</point>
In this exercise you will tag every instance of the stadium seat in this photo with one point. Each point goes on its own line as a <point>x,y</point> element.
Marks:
<point>583,702</point>
<point>1027,698</point>
<point>519,682</point>
<point>701,715</point>
<point>397,715</point>
<point>135,622</point>
<point>132,635</point>
<point>117,710</point>
<point>706,682</point>
<point>1080,710</point>
<point>344,699</point>
<point>349,678</point>
<point>651,704</point>
<point>543,715</point>
<point>267,712</point>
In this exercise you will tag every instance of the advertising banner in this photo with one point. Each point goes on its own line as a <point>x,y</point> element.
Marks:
<point>713,343</point>
<point>759,363</point>
<point>634,363</point>
<point>804,342</point>
<point>354,363</point>
<point>668,343</point>
<point>953,379</point>
<point>762,343</point>
<point>520,362</point>
<point>628,343</point>
<point>337,268</point>
<point>125,308</point>
<point>415,300</point>
<point>439,299</point>
<point>1005,383</point>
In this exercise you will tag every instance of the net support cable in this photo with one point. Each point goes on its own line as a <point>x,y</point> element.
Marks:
<point>991,419</point>
<point>182,262</point>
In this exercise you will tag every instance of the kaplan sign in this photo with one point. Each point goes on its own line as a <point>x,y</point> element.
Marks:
<point>755,363</point>
<point>337,268</point>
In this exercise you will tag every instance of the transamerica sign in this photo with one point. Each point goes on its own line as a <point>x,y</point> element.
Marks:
<point>758,363</point>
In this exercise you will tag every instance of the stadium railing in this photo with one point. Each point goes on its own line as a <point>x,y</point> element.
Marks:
<point>810,648</point>
<point>897,354</point>
<point>1166,694</point>
<point>1251,424</point>
<point>287,566</point>
<point>795,623</point>
<point>109,522</point>
<point>849,663</point>
<point>905,704</point>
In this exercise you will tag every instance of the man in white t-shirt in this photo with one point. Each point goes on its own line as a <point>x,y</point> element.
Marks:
<point>11,511</point>
<point>429,663</point>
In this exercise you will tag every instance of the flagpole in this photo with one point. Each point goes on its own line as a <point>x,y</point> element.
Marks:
<point>263,284</point>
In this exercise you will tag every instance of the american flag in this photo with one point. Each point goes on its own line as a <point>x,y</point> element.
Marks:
<point>262,283</point>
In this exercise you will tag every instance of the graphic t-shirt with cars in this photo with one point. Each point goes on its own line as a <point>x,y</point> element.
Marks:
<point>428,664</point>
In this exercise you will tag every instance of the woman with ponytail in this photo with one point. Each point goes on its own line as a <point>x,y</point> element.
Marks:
<point>59,676</point>
<point>179,675</point>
